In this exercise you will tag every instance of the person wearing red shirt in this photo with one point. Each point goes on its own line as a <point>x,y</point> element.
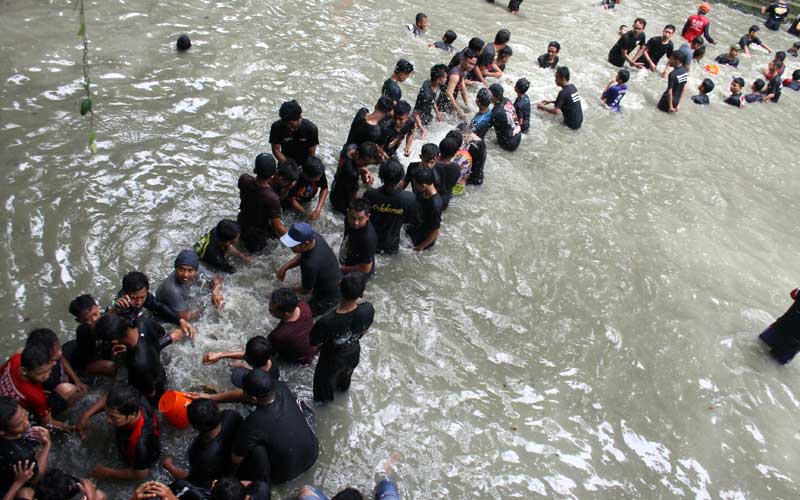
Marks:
<point>698,25</point>
<point>21,378</point>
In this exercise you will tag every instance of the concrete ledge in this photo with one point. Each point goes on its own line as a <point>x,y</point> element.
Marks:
<point>754,6</point>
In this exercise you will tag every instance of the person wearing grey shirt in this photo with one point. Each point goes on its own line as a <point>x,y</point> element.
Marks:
<point>176,290</point>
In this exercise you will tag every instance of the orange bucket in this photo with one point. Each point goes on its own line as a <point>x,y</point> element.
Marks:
<point>173,406</point>
<point>712,68</point>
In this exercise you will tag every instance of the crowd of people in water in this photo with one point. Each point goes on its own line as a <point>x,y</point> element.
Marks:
<point>324,318</point>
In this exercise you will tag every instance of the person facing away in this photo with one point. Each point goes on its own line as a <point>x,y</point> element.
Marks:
<point>311,182</point>
<point>698,25</point>
<point>793,83</point>
<point>366,126</point>
<point>447,42</point>
<point>623,50</point>
<point>567,103</point>
<point>354,161</point>
<point>260,204</point>
<point>783,336</point>
<point>293,137</point>
<point>482,121</point>
<point>391,207</point>
<point>338,335</point>
<point>776,13</point>
<point>756,91</point>
<point>504,120</point>
<point>319,268</point>
<point>676,84</point>
<point>705,88</point>
<point>427,226</point>
<point>522,104</point>
<point>658,47</point>
<point>616,90</point>
<point>483,66</point>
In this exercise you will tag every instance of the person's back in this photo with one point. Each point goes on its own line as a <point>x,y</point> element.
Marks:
<point>569,102</point>
<point>506,125</point>
<point>320,273</point>
<point>391,208</point>
<point>523,107</point>
<point>210,458</point>
<point>282,429</point>
<point>259,205</point>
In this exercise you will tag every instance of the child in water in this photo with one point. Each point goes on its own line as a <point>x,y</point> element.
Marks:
<point>756,95</point>
<point>616,89</point>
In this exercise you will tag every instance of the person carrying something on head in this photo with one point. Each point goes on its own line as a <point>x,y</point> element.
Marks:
<point>319,267</point>
<point>177,291</point>
<point>293,137</point>
<point>260,203</point>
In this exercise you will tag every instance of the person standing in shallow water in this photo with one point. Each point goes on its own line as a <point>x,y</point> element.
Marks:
<point>783,336</point>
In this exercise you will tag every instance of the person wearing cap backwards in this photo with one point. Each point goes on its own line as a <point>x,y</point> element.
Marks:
<point>751,38</point>
<point>319,267</point>
<point>402,71</point>
<point>776,14</point>
<point>698,24</point>
<point>504,120</point>
<point>176,290</point>
<point>293,136</point>
<point>275,443</point>
<point>260,203</point>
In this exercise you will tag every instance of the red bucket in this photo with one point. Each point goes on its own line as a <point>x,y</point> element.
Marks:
<point>173,406</point>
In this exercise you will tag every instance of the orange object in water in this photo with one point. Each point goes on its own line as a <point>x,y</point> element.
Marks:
<point>712,68</point>
<point>173,406</point>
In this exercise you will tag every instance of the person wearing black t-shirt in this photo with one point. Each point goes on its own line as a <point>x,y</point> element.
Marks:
<point>366,126</point>
<point>319,267</point>
<point>427,226</point>
<point>752,38</point>
<point>504,120</point>
<point>567,103</point>
<point>391,207</point>
<point>622,51</point>
<point>425,105</point>
<point>353,162</point>
<point>210,452</point>
<point>774,85</point>
<point>676,84</point>
<point>397,131</point>
<point>776,12</point>
<point>483,66</point>
<point>293,136</point>
<point>259,206</point>
<point>794,28</point>
<point>20,444</point>
<point>550,58</point>
<point>658,47</point>
<point>275,443</point>
<point>475,44</point>
<point>338,334</point>
<point>311,181</point>
<point>446,173</point>
<point>447,101</point>
<point>402,71</point>
<point>360,240</point>
<point>134,298</point>
<point>86,353</point>
<point>215,244</point>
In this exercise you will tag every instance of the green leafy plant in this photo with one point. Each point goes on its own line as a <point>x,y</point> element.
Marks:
<point>87,107</point>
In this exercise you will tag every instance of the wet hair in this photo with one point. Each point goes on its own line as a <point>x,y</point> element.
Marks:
<point>204,415</point>
<point>455,134</point>
<point>284,299</point>
<point>348,494</point>
<point>476,44</point>
<point>313,167</point>
<point>368,151</point>
<point>502,36</point>
<point>257,351</point>
<point>385,104</point>
<point>796,74</point>
<point>110,327</point>
<point>448,147</point>
<point>8,408</point>
<point>290,111</point>
<point>44,337</point>
<point>228,488</point>
<point>522,85</point>
<point>353,284</point>
<point>391,172</point>
<point>697,42</point>
<point>555,44</point>
<point>423,176</point>
<point>56,485</point>
<point>124,399</point>
<point>34,356</point>
<point>671,27</point>
<point>287,170</point>
<point>484,97</point>
<point>780,56</point>
<point>739,81</point>
<point>753,28</point>
<point>759,84</point>
<point>135,281</point>
<point>563,72</point>
<point>622,26</point>
<point>429,151</point>
<point>470,54</point>
<point>623,75</point>
<point>505,52</point>
<point>699,52</point>
<point>360,205</point>
<point>449,36</point>
<point>640,20</point>
<point>403,108</point>
<point>81,304</point>
<point>420,17</point>
<point>403,66</point>
<point>438,71</point>
<point>228,230</point>
<point>496,90</point>
<point>708,85</point>
<point>183,43</point>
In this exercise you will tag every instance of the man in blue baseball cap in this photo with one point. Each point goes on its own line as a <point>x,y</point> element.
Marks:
<point>176,290</point>
<point>319,268</point>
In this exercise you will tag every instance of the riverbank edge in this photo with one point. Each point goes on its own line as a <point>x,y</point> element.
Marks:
<point>754,6</point>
